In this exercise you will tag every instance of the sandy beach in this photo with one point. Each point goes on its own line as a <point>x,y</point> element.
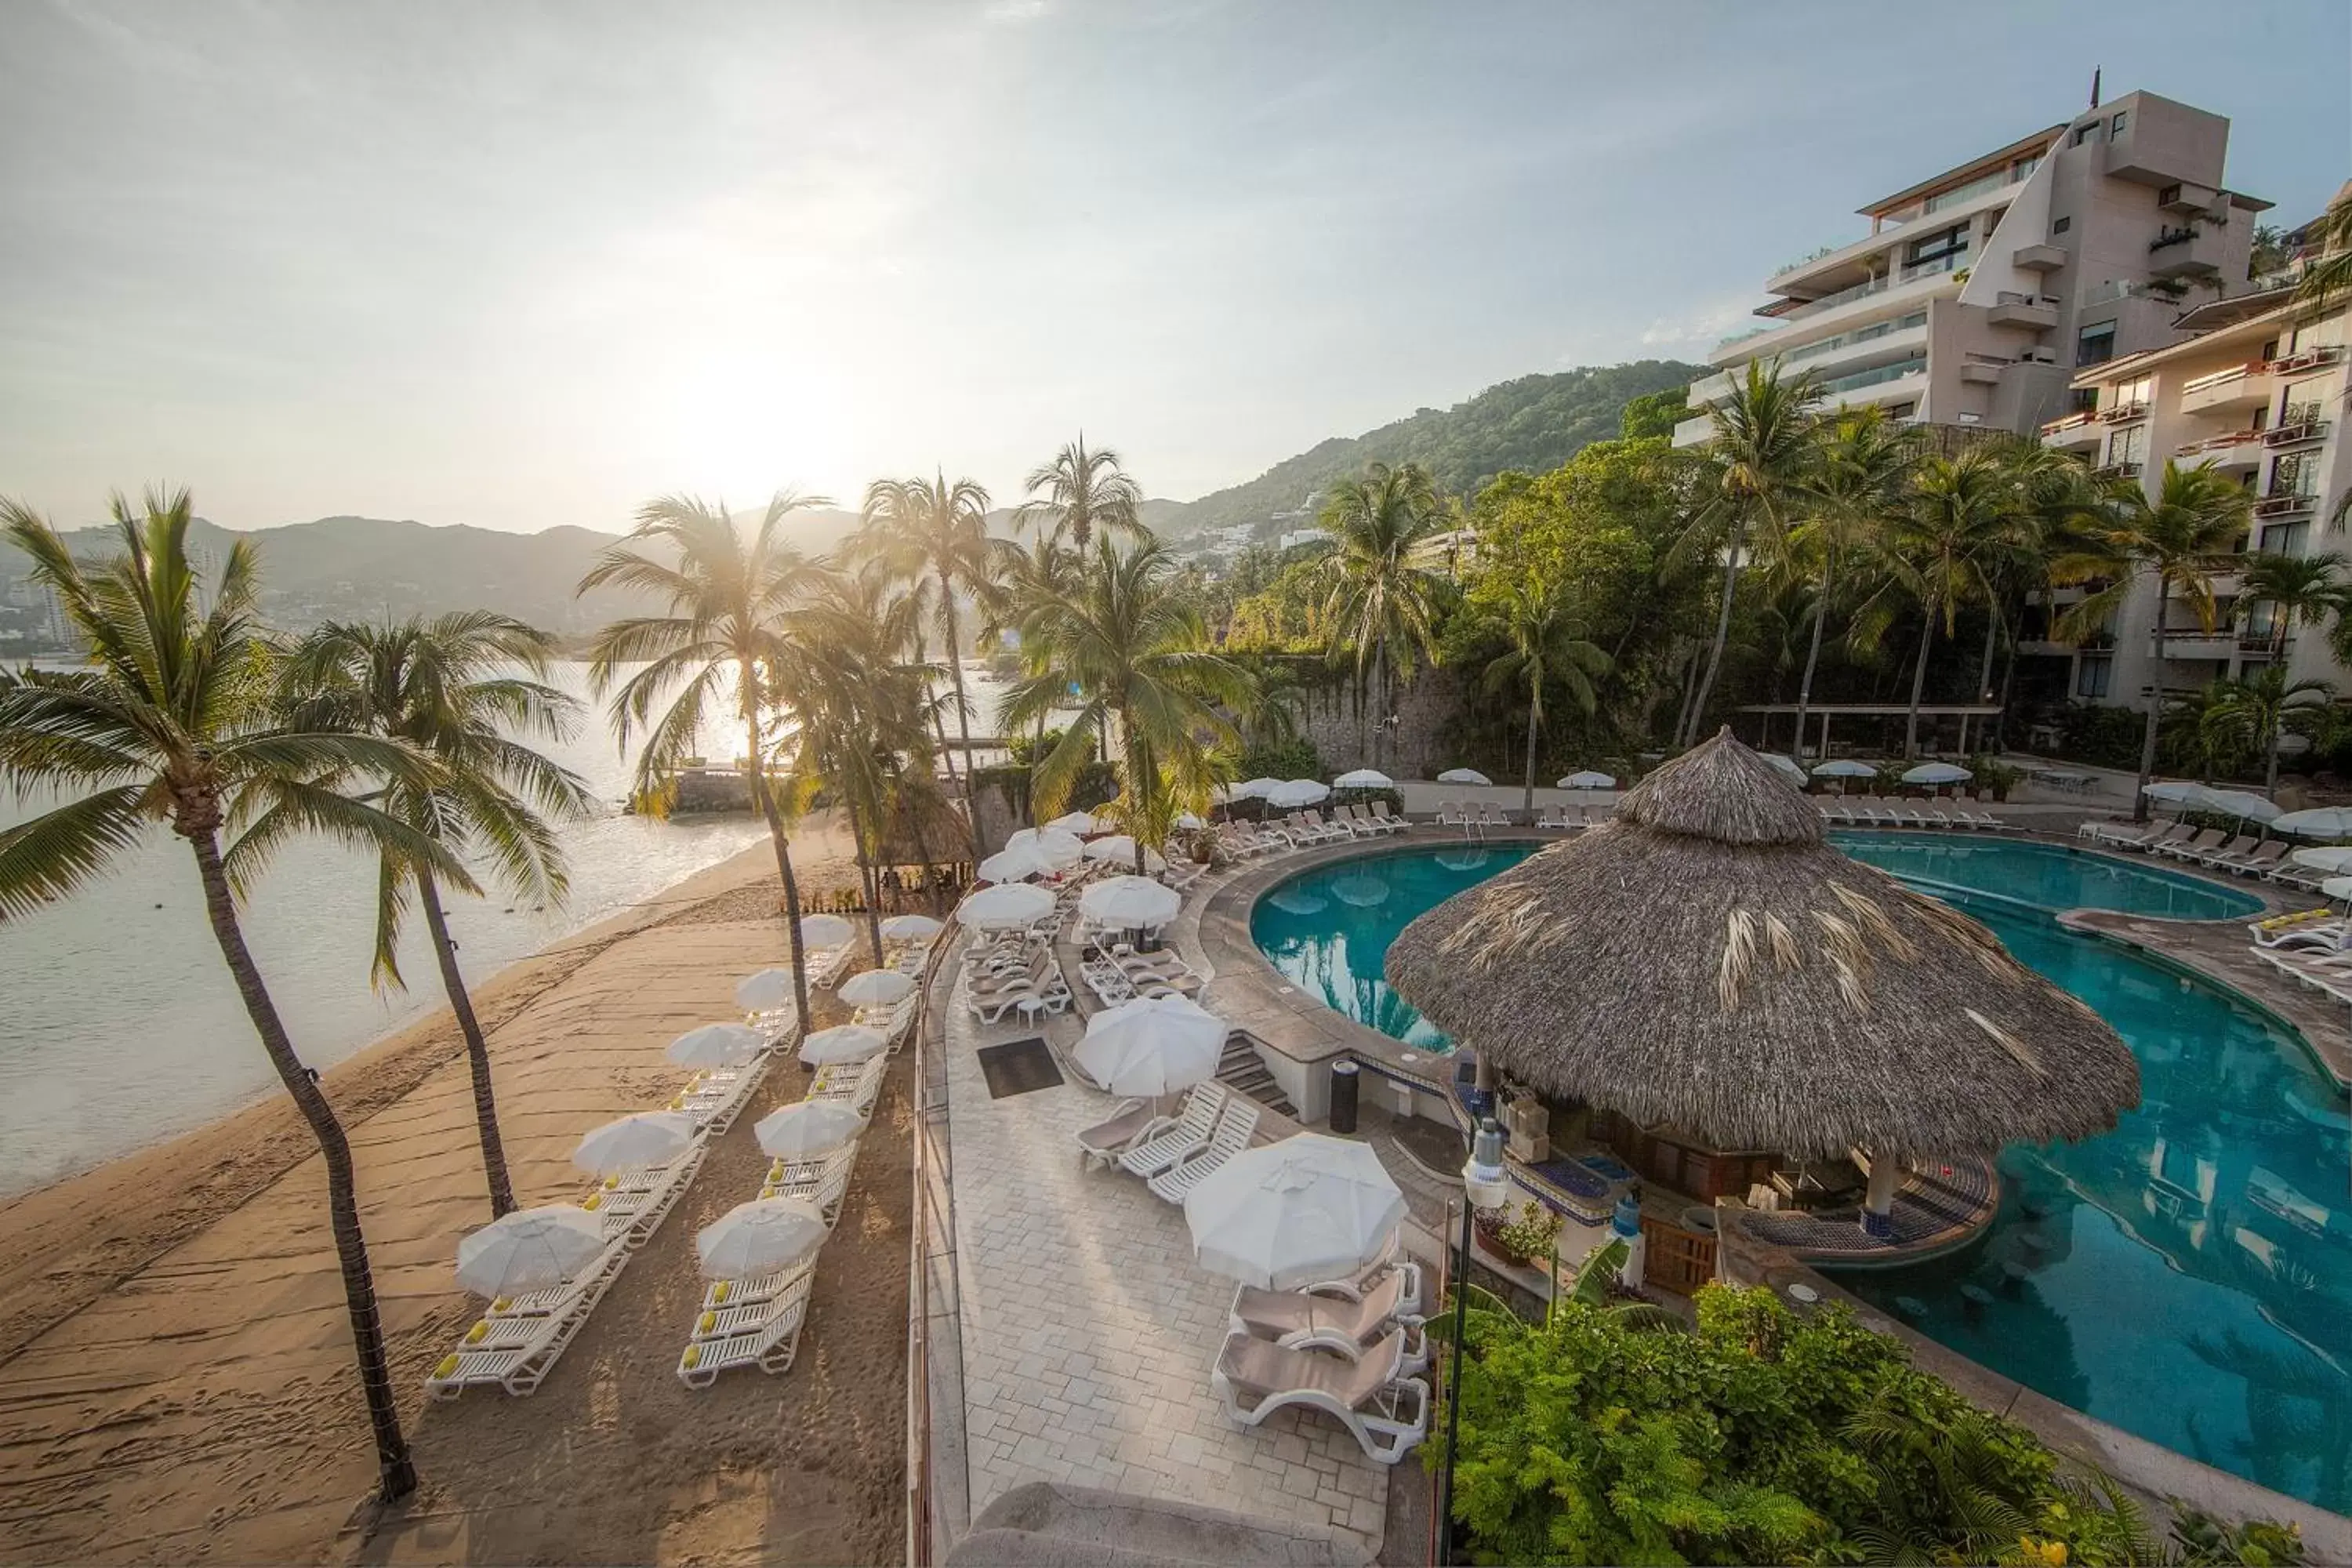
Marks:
<point>176,1380</point>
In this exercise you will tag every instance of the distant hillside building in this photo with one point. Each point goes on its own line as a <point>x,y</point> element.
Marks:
<point>1980,291</point>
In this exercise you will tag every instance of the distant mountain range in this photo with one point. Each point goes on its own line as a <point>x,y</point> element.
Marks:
<point>358,567</point>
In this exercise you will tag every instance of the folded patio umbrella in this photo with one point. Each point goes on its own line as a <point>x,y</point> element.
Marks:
<point>762,1236</point>
<point>528,1249</point>
<point>644,1137</point>
<point>1288,1213</point>
<point>716,1045</point>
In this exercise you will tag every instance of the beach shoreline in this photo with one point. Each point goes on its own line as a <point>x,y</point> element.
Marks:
<point>175,1365</point>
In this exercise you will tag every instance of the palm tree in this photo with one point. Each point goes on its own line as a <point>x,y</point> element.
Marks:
<point>1546,642</point>
<point>451,686</point>
<point>172,722</point>
<point>1961,512</point>
<point>731,602</point>
<point>1865,460</point>
<point>931,528</point>
<point>2262,705</point>
<point>2183,539</point>
<point>1379,602</point>
<point>2301,590</point>
<point>1762,453</point>
<point>2327,277</point>
<point>1134,651</point>
<point>1082,492</point>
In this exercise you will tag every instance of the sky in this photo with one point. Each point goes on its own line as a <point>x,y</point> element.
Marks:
<point>517,265</point>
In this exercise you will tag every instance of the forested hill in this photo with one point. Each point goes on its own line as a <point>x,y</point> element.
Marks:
<point>1535,423</point>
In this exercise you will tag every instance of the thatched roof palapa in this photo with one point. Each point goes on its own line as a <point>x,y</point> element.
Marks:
<point>1707,961</point>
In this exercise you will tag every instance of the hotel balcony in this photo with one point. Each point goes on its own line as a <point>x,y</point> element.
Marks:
<point>2240,386</point>
<point>2194,644</point>
<point>2077,432</point>
<point>2187,251</point>
<point>2011,308</point>
<point>2126,470</point>
<point>2043,258</point>
<point>2305,358</point>
<point>2237,449</point>
<point>2300,426</point>
<point>2121,413</point>
<point>2287,503</point>
<point>1695,431</point>
<point>1711,389</point>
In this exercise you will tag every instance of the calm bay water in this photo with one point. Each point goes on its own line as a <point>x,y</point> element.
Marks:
<point>119,1024</point>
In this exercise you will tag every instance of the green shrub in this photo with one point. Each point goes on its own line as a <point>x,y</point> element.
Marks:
<point>1291,759</point>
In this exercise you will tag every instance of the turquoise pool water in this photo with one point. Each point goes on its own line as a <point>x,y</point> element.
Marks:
<point>2187,1276</point>
<point>2048,876</point>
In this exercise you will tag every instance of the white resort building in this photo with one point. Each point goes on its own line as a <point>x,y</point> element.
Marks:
<point>1980,291</point>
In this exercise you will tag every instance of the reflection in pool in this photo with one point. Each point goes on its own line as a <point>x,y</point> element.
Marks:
<point>2185,1277</point>
<point>2049,876</point>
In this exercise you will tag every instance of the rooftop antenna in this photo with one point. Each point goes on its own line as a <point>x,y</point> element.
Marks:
<point>2094,87</point>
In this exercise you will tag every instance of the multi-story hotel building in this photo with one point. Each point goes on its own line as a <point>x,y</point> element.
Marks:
<point>1979,292</point>
<point>2257,389</point>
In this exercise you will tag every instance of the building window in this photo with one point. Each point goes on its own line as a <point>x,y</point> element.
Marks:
<point>2128,445</point>
<point>1953,241</point>
<point>2060,224</point>
<point>2116,126</point>
<point>2095,344</point>
<point>2285,538</point>
<point>2022,168</point>
<point>2085,134</point>
<point>2090,677</point>
<point>1903,410</point>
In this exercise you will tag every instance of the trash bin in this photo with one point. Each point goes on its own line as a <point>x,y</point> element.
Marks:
<point>1343,1096</point>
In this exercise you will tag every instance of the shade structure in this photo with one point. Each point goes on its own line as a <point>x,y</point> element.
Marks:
<point>1589,778</point>
<point>765,1236</point>
<point>1844,768</point>
<point>1707,962</point>
<point>2241,804</point>
<point>2318,822</point>
<point>1057,846</point>
<point>824,930</point>
<point>1288,1213</point>
<point>876,987</point>
<point>807,1129</point>
<point>716,1045</point>
<point>1786,767</point>
<point>1364,778</point>
<point>1006,907</point>
<point>646,1138</point>
<point>1118,849</point>
<point>1077,822</point>
<point>1254,788</point>
<point>767,989</point>
<point>1937,773</point>
<point>843,1043</point>
<point>1152,1046</point>
<point>1464,776</point>
<point>1016,864</point>
<point>1131,903</point>
<point>2334,861</point>
<point>530,1249</point>
<point>2176,791</point>
<point>910,928</point>
<point>1292,793</point>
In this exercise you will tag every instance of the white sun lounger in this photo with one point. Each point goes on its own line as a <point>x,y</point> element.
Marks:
<point>1385,1411</point>
<point>1105,1142</point>
<point>516,1353</point>
<point>857,1085</point>
<point>768,1340</point>
<point>1235,1126</point>
<point>1348,1326</point>
<point>1176,1136</point>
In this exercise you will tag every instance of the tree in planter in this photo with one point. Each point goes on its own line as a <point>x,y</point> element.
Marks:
<point>173,721</point>
<point>731,602</point>
<point>2183,537</point>
<point>2262,705</point>
<point>1546,642</point>
<point>452,686</point>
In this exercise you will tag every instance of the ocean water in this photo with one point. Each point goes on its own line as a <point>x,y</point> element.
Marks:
<point>119,1023</point>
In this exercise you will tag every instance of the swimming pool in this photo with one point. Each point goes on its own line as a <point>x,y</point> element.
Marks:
<point>2183,1276</point>
<point>2047,876</point>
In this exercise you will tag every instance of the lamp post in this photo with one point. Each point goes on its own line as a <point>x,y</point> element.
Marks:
<point>1484,1185</point>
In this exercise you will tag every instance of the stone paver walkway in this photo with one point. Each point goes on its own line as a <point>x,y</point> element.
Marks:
<point>1088,1332</point>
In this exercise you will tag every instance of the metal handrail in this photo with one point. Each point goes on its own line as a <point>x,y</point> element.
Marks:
<point>918,1285</point>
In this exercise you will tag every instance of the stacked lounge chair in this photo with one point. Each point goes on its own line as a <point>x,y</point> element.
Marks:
<point>1382,1405</point>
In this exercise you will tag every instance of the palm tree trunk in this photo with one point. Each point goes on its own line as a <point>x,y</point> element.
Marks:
<point>775,820</point>
<point>1381,704</point>
<point>1992,636</point>
<point>1722,633</point>
<point>2154,710</point>
<point>2270,777</point>
<point>1813,654</point>
<point>871,879</point>
<point>396,1472</point>
<point>1918,685</point>
<point>1535,709</point>
<point>477,1052</point>
<point>1690,689</point>
<point>963,712</point>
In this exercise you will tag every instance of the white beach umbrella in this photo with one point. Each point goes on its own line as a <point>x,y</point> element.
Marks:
<point>807,1129</point>
<point>768,989</point>
<point>2334,860</point>
<point>1292,793</point>
<point>528,1249</point>
<point>876,987</point>
<point>1588,779</point>
<point>1254,788</point>
<point>2176,791</point>
<point>2242,805</point>
<point>765,1236</point>
<point>2336,888</point>
<point>910,928</point>
<point>1078,823</point>
<point>1938,773</point>
<point>1186,822</point>
<point>1287,1213</point>
<point>1788,767</point>
<point>1363,890</point>
<point>1364,778</point>
<point>716,1045</point>
<point>2318,822</point>
<point>841,1043</point>
<point>1152,1045</point>
<point>1005,908</point>
<point>1844,768</point>
<point>1464,776</point>
<point>646,1138</point>
<point>1057,846</point>
<point>1118,849</point>
<point>1131,903</point>
<point>1017,864</point>
<point>824,930</point>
